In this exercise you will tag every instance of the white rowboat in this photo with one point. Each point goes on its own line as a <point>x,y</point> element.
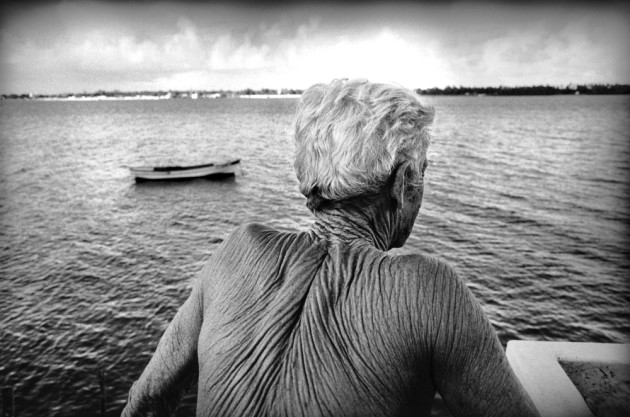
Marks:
<point>168,173</point>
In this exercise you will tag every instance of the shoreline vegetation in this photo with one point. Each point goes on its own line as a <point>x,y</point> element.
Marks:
<point>538,90</point>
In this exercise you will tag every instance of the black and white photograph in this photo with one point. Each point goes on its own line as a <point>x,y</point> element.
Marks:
<point>314,208</point>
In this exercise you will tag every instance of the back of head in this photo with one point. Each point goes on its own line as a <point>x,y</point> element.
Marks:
<point>351,135</point>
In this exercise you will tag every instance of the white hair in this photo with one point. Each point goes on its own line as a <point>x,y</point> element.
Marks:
<point>351,135</point>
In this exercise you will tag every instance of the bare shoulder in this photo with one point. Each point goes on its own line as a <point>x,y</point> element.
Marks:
<point>236,246</point>
<point>244,238</point>
<point>253,246</point>
<point>429,287</point>
<point>424,269</point>
<point>249,231</point>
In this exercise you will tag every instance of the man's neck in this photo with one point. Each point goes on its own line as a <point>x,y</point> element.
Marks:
<point>371,224</point>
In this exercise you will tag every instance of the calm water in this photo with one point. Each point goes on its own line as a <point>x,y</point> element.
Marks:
<point>527,197</point>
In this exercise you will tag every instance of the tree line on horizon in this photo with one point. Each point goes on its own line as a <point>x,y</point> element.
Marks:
<point>536,90</point>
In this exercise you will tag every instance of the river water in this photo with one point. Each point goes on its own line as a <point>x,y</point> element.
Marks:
<point>527,197</point>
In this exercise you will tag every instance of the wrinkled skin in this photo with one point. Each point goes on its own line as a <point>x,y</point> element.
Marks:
<point>327,323</point>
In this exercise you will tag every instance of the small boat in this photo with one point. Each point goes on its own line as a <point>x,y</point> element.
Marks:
<point>168,173</point>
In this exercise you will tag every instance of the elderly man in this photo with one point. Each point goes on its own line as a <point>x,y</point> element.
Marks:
<point>325,322</point>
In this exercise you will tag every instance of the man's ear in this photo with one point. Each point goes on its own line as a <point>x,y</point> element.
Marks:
<point>401,177</point>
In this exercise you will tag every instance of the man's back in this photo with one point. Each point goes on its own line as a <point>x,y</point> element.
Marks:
<point>295,326</point>
<point>284,324</point>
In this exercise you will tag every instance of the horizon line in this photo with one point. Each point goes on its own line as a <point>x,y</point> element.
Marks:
<point>284,91</point>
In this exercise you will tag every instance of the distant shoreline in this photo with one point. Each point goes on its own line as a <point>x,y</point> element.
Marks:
<point>140,97</point>
<point>536,90</point>
<point>540,90</point>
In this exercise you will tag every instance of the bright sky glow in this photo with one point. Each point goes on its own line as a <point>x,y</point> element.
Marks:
<point>76,46</point>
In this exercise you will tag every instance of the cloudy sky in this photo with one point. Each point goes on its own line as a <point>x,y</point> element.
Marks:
<point>83,46</point>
